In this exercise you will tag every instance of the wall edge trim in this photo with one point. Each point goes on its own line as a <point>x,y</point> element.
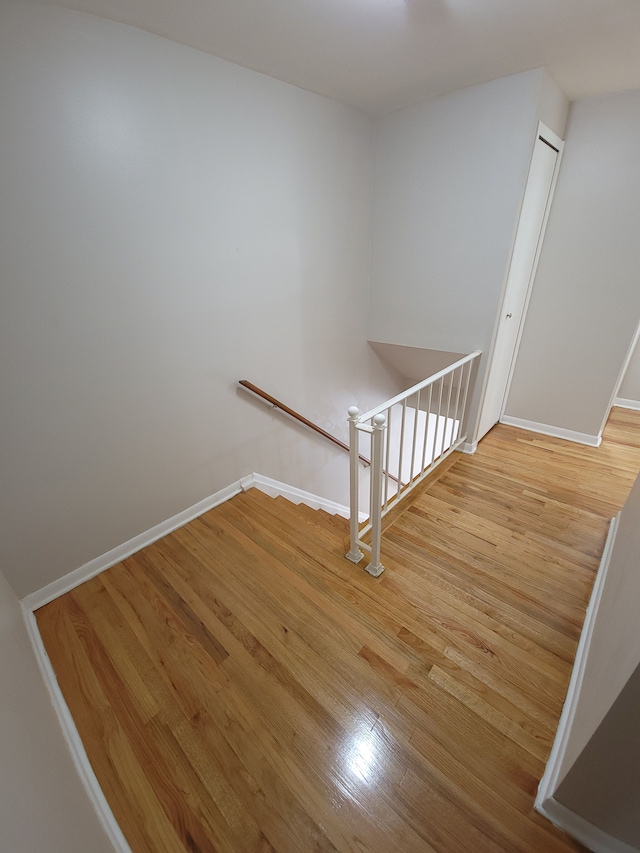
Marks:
<point>99,564</point>
<point>276,488</point>
<point>553,431</point>
<point>71,735</point>
<point>550,780</point>
<point>625,403</point>
<point>94,567</point>
<point>591,836</point>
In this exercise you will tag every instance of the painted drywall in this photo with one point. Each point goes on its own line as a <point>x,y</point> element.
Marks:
<point>449,180</point>
<point>414,363</point>
<point>171,223</point>
<point>553,106</point>
<point>585,303</point>
<point>630,388</point>
<point>449,176</point>
<point>43,806</point>
<point>603,786</point>
<point>614,652</point>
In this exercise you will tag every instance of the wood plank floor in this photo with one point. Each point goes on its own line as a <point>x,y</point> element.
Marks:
<point>240,686</point>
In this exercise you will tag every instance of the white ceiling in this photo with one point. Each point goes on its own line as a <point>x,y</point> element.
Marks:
<point>379,55</point>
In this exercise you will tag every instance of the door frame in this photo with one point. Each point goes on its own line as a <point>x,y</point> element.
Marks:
<point>548,136</point>
<point>635,341</point>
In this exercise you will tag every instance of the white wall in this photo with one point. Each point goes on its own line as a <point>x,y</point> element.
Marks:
<point>603,786</point>
<point>553,106</point>
<point>630,388</point>
<point>614,652</point>
<point>449,181</point>
<point>449,176</point>
<point>171,223</point>
<point>43,806</point>
<point>586,300</point>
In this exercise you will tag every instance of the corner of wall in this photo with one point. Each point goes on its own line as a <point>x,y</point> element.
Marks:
<point>585,832</point>
<point>553,105</point>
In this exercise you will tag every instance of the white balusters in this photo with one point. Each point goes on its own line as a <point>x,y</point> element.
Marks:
<point>398,447</point>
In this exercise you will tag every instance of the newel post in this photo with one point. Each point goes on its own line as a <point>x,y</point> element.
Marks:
<point>354,554</point>
<point>375,567</point>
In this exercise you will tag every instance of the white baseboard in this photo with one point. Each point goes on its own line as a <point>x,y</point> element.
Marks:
<point>551,778</point>
<point>469,447</point>
<point>121,552</point>
<point>72,737</point>
<point>94,567</point>
<point>275,488</point>
<point>627,404</point>
<point>553,431</point>
<point>591,836</point>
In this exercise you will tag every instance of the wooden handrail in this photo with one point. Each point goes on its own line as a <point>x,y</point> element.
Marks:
<point>278,405</point>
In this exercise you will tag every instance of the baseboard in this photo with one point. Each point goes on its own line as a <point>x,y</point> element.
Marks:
<point>627,404</point>
<point>553,431</point>
<point>469,447</point>
<point>121,552</point>
<point>275,488</point>
<point>591,836</point>
<point>594,838</point>
<point>89,570</point>
<point>551,778</point>
<point>72,737</point>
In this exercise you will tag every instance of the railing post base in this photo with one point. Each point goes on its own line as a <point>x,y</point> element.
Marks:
<point>376,571</point>
<point>354,555</point>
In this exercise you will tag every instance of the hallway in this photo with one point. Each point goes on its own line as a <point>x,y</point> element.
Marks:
<point>240,686</point>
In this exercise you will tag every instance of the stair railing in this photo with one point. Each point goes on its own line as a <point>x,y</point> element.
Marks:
<point>411,434</point>
<point>277,404</point>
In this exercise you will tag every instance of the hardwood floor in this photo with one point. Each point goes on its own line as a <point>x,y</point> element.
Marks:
<point>240,686</point>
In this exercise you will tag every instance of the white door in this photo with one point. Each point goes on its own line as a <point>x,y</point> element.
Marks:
<point>533,219</point>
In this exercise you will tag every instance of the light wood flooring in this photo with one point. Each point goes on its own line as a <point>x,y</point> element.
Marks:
<point>240,686</point>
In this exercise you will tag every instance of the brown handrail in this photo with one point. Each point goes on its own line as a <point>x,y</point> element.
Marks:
<point>278,405</point>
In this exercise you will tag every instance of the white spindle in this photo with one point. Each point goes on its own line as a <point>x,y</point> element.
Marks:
<point>387,459</point>
<point>426,430</point>
<point>401,448</point>
<point>415,436</point>
<point>456,431</point>
<point>445,440</point>
<point>435,453</point>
